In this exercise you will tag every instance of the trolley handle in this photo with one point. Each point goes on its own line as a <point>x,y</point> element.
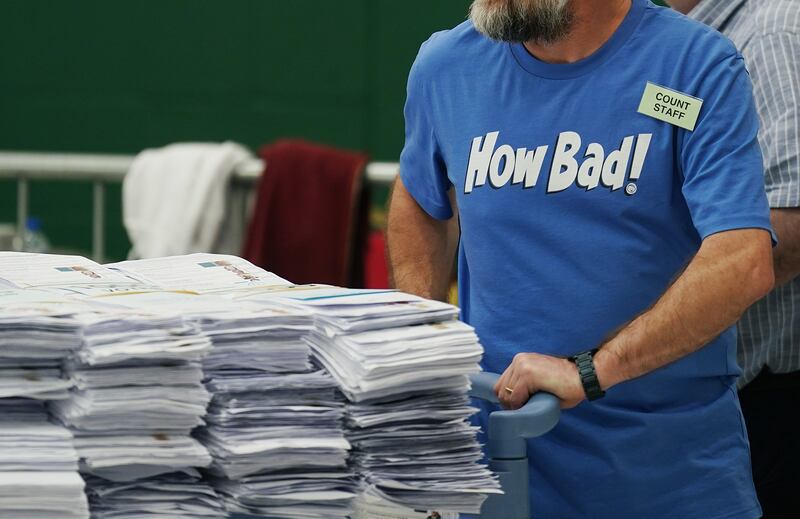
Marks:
<point>509,429</point>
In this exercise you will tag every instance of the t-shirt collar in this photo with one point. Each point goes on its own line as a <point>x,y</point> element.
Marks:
<point>715,13</point>
<point>579,68</point>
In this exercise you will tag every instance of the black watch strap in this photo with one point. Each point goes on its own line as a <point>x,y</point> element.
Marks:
<point>591,385</point>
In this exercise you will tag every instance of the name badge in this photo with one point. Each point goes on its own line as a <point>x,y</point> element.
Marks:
<point>670,106</point>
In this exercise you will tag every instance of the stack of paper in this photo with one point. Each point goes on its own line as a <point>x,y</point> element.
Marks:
<point>138,395</point>
<point>42,495</point>
<point>407,384</point>
<point>275,427</point>
<point>30,442</point>
<point>371,506</point>
<point>275,421</point>
<point>178,495</point>
<point>278,444</point>
<point>36,335</point>
<point>38,465</point>
<point>346,310</point>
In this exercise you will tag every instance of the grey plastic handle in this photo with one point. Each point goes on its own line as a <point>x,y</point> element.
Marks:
<point>508,430</point>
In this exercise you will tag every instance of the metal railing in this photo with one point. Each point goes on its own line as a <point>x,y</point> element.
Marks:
<point>103,169</point>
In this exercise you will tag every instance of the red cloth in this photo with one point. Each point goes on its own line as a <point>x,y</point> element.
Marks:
<point>376,270</point>
<point>309,221</point>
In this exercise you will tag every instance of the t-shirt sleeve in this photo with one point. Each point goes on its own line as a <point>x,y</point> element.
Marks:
<point>773,63</point>
<point>422,167</point>
<point>723,179</point>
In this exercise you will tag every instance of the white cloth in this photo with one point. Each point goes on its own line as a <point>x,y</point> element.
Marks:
<point>174,198</point>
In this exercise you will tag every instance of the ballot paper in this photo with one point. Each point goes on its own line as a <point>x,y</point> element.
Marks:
<point>402,360</point>
<point>202,273</point>
<point>30,442</point>
<point>42,495</point>
<point>36,328</point>
<point>278,443</point>
<point>343,310</point>
<point>60,274</point>
<point>301,494</point>
<point>160,408</point>
<point>243,334</point>
<point>179,495</point>
<point>138,392</point>
<point>123,458</point>
<point>421,452</point>
<point>407,381</point>
<point>39,383</point>
<point>38,465</point>
<point>371,506</point>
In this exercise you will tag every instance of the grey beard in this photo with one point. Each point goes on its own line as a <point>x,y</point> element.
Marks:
<point>517,21</point>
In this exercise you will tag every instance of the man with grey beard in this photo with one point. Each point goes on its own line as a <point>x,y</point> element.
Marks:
<point>597,166</point>
<point>767,33</point>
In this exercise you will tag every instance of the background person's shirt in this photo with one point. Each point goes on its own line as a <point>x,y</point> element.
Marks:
<point>577,212</point>
<point>767,33</point>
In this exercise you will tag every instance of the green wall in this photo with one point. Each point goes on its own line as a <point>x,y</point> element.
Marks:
<point>109,76</point>
<point>116,77</point>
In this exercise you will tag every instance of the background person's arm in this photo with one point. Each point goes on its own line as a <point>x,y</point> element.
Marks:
<point>772,59</point>
<point>421,248</point>
<point>786,223</point>
<point>730,272</point>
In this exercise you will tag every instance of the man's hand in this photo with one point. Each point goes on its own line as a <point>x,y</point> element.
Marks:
<point>533,372</point>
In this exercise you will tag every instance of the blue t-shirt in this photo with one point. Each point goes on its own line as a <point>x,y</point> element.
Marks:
<point>576,214</point>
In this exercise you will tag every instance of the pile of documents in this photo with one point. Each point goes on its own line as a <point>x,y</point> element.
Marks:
<point>317,394</point>
<point>404,363</point>
<point>137,375</point>
<point>275,421</point>
<point>36,335</point>
<point>38,465</point>
<point>179,495</point>
<point>138,396</point>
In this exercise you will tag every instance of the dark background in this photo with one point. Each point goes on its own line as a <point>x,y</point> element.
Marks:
<point>105,76</point>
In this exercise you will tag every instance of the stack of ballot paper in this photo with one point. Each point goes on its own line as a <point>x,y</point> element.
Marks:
<point>125,426</point>
<point>370,506</point>
<point>346,310</point>
<point>178,495</point>
<point>36,335</point>
<point>42,495</point>
<point>38,465</point>
<point>403,364</point>
<point>138,395</point>
<point>279,445</point>
<point>30,442</point>
<point>275,422</point>
<point>138,386</point>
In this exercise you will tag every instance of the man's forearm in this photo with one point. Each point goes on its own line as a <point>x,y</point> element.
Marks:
<point>731,271</point>
<point>786,223</point>
<point>421,248</point>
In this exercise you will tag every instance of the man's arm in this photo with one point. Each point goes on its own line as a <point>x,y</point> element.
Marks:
<point>421,248</point>
<point>730,272</point>
<point>786,223</point>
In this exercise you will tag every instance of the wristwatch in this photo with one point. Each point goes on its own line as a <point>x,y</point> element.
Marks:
<point>585,363</point>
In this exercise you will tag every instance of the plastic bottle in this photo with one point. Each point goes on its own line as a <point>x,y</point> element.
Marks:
<point>34,239</point>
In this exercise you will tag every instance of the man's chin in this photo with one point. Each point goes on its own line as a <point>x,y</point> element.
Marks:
<point>507,21</point>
